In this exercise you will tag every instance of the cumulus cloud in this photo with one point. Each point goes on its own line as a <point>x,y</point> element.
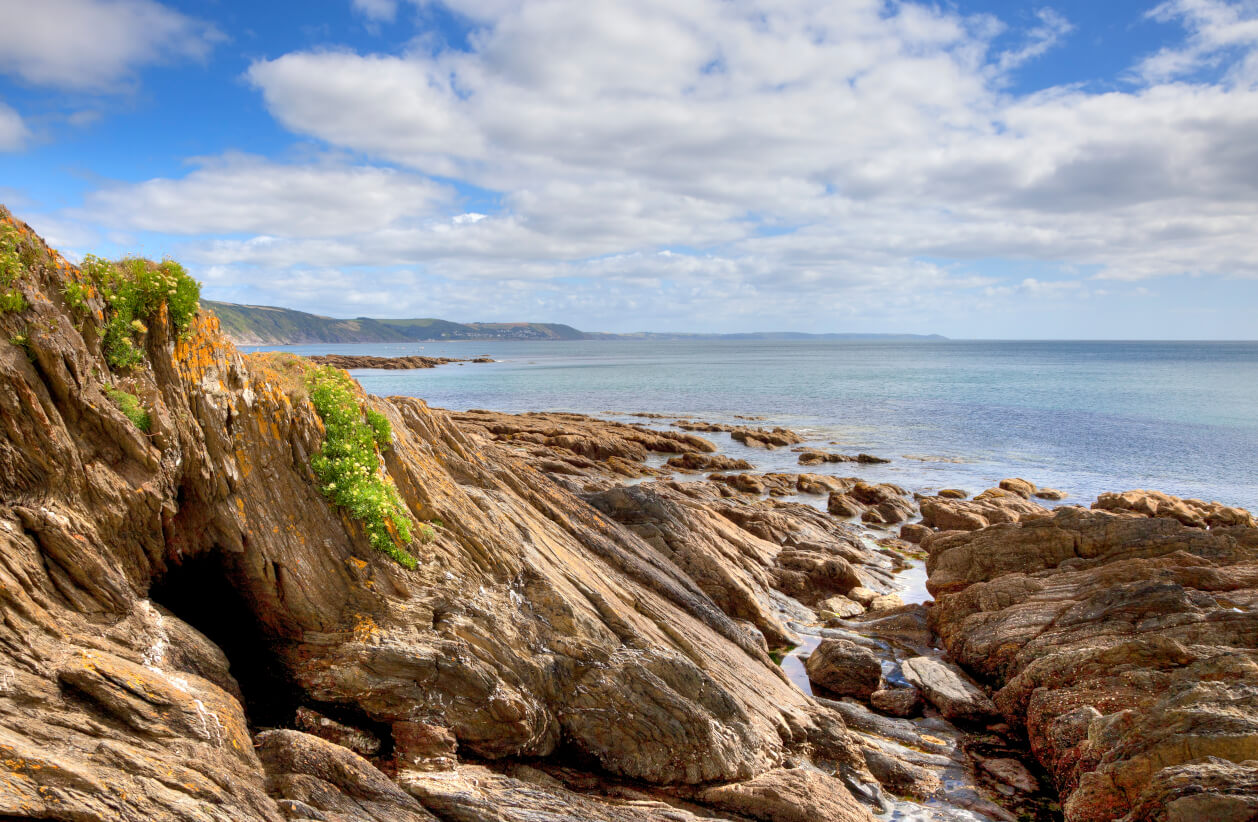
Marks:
<point>13,131</point>
<point>95,45</point>
<point>242,194</point>
<point>787,156</point>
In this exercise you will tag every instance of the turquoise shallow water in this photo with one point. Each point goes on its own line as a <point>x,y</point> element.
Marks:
<point>1085,417</point>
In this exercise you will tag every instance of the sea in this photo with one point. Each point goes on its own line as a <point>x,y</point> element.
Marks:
<point>1082,417</point>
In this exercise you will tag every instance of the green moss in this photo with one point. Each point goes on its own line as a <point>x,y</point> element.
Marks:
<point>349,469</point>
<point>129,405</point>
<point>135,290</point>
<point>11,268</point>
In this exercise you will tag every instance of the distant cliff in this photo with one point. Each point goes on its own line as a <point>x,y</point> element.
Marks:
<point>267,325</point>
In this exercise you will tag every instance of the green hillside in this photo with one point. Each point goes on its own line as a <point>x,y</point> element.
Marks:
<point>268,325</point>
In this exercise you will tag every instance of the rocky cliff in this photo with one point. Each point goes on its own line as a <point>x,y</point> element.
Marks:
<point>175,599</point>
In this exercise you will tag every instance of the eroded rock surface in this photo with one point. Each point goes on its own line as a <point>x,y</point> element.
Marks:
<point>533,622</point>
<point>1126,645</point>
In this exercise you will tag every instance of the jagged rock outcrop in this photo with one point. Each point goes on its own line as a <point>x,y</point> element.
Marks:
<point>533,623</point>
<point>995,505</point>
<point>1125,644</point>
<point>1192,512</point>
<point>878,504</point>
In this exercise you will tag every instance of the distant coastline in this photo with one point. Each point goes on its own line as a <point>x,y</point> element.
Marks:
<point>271,325</point>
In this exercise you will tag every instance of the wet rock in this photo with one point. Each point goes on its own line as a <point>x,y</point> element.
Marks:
<point>885,602</point>
<point>902,702</point>
<point>1051,494</point>
<point>388,363</point>
<point>839,606</point>
<point>1192,512</point>
<point>708,462</point>
<point>953,493</point>
<point>994,505</point>
<point>862,595</point>
<point>844,668</point>
<point>810,457</point>
<point>1021,487</point>
<point>767,438</point>
<point>841,505</point>
<point>1011,772</point>
<point>795,795</point>
<point>914,532</point>
<point>949,690</point>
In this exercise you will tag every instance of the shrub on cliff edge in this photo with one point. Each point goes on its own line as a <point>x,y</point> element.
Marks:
<point>11,298</point>
<point>348,465</point>
<point>135,290</point>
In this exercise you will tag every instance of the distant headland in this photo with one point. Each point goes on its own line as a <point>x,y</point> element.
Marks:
<point>270,325</point>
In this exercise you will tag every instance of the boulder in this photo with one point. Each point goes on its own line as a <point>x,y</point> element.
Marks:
<point>844,668</point>
<point>949,690</point>
<point>1021,487</point>
<point>839,606</point>
<point>914,532</point>
<point>902,702</point>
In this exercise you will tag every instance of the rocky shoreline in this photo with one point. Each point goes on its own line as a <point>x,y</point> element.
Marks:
<point>407,363</point>
<point>605,621</point>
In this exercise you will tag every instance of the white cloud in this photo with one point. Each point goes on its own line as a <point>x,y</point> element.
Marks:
<point>376,10</point>
<point>1216,29</point>
<point>1039,40</point>
<point>811,162</point>
<point>95,45</point>
<point>238,194</point>
<point>13,131</point>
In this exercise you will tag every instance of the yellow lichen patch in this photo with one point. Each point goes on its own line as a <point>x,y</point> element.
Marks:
<point>365,628</point>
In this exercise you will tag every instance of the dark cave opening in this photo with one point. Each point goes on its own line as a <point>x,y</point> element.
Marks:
<point>200,592</point>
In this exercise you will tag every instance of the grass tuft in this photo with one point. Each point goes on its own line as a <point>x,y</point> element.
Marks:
<point>348,465</point>
<point>129,405</point>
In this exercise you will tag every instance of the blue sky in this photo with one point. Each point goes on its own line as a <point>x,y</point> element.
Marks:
<point>977,169</point>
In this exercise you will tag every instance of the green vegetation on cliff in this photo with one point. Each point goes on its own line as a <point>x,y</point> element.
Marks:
<point>135,290</point>
<point>11,267</point>
<point>348,465</point>
<point>129,405</point>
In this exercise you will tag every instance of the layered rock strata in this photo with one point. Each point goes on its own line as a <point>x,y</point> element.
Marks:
<point>1125,641</point>
<point>534,629</point>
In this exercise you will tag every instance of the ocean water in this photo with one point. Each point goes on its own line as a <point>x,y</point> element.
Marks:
<point>1085,417</point>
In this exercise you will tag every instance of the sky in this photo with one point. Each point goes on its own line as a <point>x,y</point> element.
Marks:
<point>972,168</point>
